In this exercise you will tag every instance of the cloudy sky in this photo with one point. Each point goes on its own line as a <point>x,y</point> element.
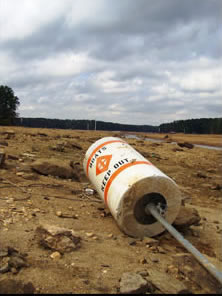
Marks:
<point>127,61</point>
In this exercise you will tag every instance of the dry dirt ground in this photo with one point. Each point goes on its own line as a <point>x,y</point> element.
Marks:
<point>29,199</point>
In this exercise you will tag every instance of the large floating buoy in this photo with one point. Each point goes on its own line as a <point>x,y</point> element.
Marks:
<point>127,183</point>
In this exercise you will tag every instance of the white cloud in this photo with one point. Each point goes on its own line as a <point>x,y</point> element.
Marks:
<point>20,19</point>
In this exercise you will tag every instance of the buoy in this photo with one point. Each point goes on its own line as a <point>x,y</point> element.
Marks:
<point>127,182</point>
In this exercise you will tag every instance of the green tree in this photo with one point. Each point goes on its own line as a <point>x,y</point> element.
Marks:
<point>8,105</point>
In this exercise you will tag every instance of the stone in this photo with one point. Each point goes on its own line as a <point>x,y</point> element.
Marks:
<point>2,156</point>
<point>30,176</point>
<point>12,157</point>
<point>133,283</point>
<point>151,242</point>
<point>76,146</point>
<point>186,218</point>
<point>59,213</point>
<point>201,175</point>
<point>60,147</point>
<point>143,273</point>
<point>55,255</point>
<point>17,262</point>
<point>55,167</point>
<point>216,187</point>
<point>190,268</point>
<point>176,149</point>
<point>4,268</point>
<point>58,239</point>
<point>3,143</point>
<point>186,145</point>
<point>164,282</point>
<point>9,286</point>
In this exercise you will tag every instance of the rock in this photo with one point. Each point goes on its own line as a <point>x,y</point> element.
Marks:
<point>76,145</point>
<point>41,135</point>
<point>55,255</point>
<point>59,213</point>
<point>186,218</point>
<point>190,268</point>
<point>175,149</point>
<point>133,283</point>
<point>4,268</point>
<point>58,239</point>
<point>60,147</point>
<point>90,234</point>
<point>3,253</point>
<point>186,145</point>
<point>201,175</point>
<point>8,286</point>
<point>143,273</point>
<point>164,282</point>
<point>8,132</point>
<point>30,177</point>
<point>2,156</point>
<point>12,157</point>
<point>17,262</point>
<point>3,143</point>
<point>216,187</point>
<point>151,242</point>
<point>56,168</point>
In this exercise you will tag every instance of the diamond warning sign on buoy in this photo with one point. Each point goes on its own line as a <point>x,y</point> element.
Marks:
<point>102,164</point>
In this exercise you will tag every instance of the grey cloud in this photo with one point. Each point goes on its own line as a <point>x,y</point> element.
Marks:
<point>143,40</point>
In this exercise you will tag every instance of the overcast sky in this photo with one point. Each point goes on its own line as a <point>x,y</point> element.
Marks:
<point>126,61</point>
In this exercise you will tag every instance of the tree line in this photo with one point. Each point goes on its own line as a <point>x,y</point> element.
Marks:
<point>191,126</point>
<point>8,116</point>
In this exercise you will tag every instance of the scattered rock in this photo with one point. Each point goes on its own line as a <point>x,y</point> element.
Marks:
<point>190,268</point>
<point>216,187</point>
<point>89,191</point>
<point>55,255</point>
<point>56,168</point>
<point>60,147</point>
<point>2,156</point>
<point>4,267</point>
<point>17,261</point>
<point>12,259</point>
<point>9,286</point>
<point>30,176</point>
<point>151,242</point>
<point>186,218</point>
<point>76,145</point>
<point>57,238</point>
<point>41,135</point>
<point>3,143</point>
<point>201,175</point>
<point>164,282</point>
<point>133,283</point>
<point>186,145</point>
<point>143,273</point>
<point>175,149</point>
<point>12,157</point>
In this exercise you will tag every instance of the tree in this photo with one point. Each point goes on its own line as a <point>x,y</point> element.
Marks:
<point>8,105</point>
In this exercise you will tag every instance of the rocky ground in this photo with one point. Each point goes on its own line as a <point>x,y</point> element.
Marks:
<point>57,237</point>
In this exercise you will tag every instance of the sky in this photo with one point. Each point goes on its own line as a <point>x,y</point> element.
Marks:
<point>128,61</point>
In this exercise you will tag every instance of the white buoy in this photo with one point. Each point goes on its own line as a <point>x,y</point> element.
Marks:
<point>127,183</point>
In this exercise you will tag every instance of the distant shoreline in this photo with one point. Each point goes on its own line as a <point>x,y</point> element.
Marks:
<point>201,139</point>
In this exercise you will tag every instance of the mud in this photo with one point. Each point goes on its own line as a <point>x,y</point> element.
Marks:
<point>29,199</point>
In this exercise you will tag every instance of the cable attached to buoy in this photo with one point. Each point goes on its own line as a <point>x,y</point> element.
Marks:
<point>152,209</point>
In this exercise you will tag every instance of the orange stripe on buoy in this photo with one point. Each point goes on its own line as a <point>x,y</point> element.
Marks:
<point>117,172</point>
<point>96,149</point>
